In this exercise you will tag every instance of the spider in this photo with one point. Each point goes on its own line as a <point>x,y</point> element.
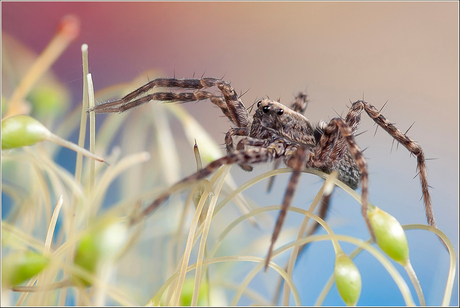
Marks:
<point>276,132</point>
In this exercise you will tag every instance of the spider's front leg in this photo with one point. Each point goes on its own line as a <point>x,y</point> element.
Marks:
<point>295,157</point>
<point>230,104</point>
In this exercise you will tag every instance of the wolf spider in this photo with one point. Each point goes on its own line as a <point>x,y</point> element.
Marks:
<point>277,132</point>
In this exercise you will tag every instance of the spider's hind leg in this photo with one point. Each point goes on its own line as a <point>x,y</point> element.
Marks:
<point>409,144</point>
<point>337,146</point>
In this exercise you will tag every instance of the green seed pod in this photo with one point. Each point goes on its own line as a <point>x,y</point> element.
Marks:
<point>22,130</point>
<point>187,293</point>
<point>87,256</point>
<point>21,266</point>
<point>101,245</point>
<point>347,279</point>
<point>390,235</point>
<point>49,100</point>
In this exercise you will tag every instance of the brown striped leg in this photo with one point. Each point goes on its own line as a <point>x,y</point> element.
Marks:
<point>233,107</point>
<point>322,213</point>
<point>121,106</point>
<point>337,134</point>
<point>236,131</point>
<point>410,145</point>
<point>190,84</point>
<point>300,103</point>
<point>250,156</point>
<point>296,162</point>
<point>249,141</point>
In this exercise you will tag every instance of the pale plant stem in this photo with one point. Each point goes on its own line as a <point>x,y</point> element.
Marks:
<point>190,241</point>
<point>52,225</point>
<point>204,235</point>
<point>326,187</point>
<point>452,258</point>
<point>155,301</point>
<point>187,252</point>
<point>83,117</point>
<point>79,162</point>
<point>92,144</point>
<point>413,277</point>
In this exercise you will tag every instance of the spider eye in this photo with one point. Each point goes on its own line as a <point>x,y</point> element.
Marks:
<point>258,103</point>
<point>280,111</point>
<point>266,109</point>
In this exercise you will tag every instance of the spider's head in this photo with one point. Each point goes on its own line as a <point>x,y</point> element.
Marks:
<point>275,116</point>
<point>269,112</point>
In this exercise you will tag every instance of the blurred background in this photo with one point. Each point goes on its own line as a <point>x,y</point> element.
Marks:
<point>405,54</point>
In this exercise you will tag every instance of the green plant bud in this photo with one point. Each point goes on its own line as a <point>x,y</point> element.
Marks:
<point>390,235</point>
<point>48,100</point>
<point>347,279</point>
<point>21,266</point>
<point>187,293</point>
<point>101,245</point>
<point>86,256</point>
<point>22,130</point>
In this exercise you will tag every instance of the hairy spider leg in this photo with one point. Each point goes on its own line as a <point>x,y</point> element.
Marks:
<point>409,144</point>
<point>233,108</point>
<point>333,146</point>
<point>297,162</point>
<point>249,156</point>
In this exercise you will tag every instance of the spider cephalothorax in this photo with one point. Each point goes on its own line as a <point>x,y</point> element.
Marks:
<point>277,132</point>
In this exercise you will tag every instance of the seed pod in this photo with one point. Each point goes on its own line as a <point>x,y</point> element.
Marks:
<point>101,245</point>
<point>87,256</point>
<point>390,235</point>
<point>347,279</point>
<point>187,293</point>
<point>22,130</point>
<point>21,266</point>
<point>50,100</point>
